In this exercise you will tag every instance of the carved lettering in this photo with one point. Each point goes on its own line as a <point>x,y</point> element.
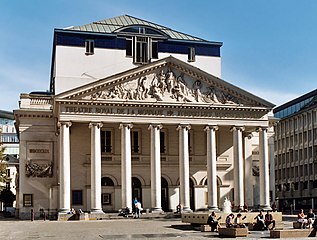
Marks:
<point>39,150</point>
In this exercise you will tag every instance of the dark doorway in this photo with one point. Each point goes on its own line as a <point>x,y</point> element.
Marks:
<point>136,189</point>
<point>192,194</point>
<point>164,195</point>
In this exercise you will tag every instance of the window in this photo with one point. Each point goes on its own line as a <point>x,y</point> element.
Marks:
<point>135,142</point>
<point>106,198</point>
<point>191,54</point>
<point>106,141</point>
<point>27,200</point>
<point>190,142</point>
<point>142,49</point>
<point>106,181</point>
<point>154,50</point>
<point>77,197</point>
<point>128,51</point>
<point>163,141</point>
<point>90,47</point>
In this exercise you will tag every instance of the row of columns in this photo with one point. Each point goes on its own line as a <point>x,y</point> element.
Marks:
<point>126,167</point>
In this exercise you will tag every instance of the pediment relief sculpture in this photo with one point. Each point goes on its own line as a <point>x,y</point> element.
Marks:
<point>165,86</point>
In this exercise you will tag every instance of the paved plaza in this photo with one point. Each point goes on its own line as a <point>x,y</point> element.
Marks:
<point>143,228</point>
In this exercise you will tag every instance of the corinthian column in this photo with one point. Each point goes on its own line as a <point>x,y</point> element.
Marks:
<point>64,167</point>
<point>238,167</point>
<point>212,167</point>
<point>95,168</point>
<point>155,167</point>
<point>184,166</point>
<point>264,169</point>
<point>126,169</point>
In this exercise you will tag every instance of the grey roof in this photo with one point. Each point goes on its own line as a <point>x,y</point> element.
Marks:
<point>111,25</point>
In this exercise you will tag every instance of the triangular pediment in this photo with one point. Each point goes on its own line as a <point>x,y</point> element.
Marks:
<point>165,81</point>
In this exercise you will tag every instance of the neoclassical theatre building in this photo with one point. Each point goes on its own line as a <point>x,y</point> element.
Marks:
<point>136,109</point>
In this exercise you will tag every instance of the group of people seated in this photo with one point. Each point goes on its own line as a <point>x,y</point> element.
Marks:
<point>264,221</point>
<point>308,221</point>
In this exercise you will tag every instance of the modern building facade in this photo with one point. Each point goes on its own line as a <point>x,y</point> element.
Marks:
<point>136,109</point>
<point>296,153</point>
<point>9,140</point>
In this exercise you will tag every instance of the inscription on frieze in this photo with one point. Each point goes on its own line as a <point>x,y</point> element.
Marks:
<point>147,111</point>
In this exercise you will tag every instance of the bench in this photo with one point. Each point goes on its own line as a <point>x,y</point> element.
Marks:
<point>233,232</point>
<point>254,227</point>
<point>297,225</point>
<point>292,233</point>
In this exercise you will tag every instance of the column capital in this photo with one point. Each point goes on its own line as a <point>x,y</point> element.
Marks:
<point>237,128</point>
<point>180,126</point>
<point>66,123</point>
<point>98,124</point>
<point>154,125</point>
<point>123,125</point>
<point>211,127</point>
<point>248,135</point>
<point>261,129</point>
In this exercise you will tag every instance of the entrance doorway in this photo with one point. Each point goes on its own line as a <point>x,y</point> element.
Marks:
<point>192,194</point>
<point>136,189</point>
<point>164,195</point>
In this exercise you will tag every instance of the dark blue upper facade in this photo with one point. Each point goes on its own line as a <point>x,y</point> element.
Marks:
<point>77,39</point>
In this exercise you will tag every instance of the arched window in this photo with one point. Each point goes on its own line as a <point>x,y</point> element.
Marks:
<point>106,181</point>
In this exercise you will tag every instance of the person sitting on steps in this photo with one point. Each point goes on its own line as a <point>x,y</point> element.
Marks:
<point>268,220</point>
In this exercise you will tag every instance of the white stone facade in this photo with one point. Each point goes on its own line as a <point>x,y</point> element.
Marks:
<point>114,130</point>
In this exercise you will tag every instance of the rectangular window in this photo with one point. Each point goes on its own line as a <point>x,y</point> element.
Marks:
<point>27,200</point>
<point>90,47</point>
<point>77,197</point>
<point>106,198</point>
<point>190,142</point>
<point>191,54</point>
<point>8,173</point>
<point>162,142</point>
<point>106,141</point>
<point>129,45</point>
<point>154,50</point>
<point>141,50</point>
<point>135,142</point>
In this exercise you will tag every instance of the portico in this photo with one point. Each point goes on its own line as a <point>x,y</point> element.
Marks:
<point>130,136</point>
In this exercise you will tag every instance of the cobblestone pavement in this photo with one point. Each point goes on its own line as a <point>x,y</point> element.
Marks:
<point>158,228</point>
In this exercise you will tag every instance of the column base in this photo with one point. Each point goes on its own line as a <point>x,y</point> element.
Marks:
<point>186,209</point>
<point>64,210</point>
<point>93,211</point>
<point>156,210</point>
<point>266,208</point>
<point>213,209</point>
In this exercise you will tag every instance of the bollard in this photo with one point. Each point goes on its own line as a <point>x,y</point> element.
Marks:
<point>44,215</point>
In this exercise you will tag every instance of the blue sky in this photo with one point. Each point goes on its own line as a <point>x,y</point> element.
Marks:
<point>269,46</point>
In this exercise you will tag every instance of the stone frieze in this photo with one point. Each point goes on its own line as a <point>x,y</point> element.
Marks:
<point>165,86</point>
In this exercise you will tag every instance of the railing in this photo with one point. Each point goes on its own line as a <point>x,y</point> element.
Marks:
<point>35,101</point>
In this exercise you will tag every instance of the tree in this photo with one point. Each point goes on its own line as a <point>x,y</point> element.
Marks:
<point>3,169</point>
